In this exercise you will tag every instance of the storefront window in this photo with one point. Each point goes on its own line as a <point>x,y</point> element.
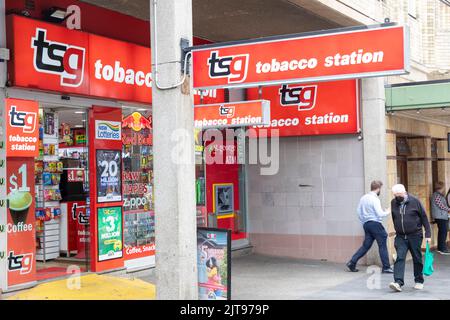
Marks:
<point>139,228</point>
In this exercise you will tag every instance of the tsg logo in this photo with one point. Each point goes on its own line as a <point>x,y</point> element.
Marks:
<point>232,67</point>
<point>21,119</point>
<point>58,58</point>
<point>226,111</point>
<point>303,97</point>
<point>21,263</point>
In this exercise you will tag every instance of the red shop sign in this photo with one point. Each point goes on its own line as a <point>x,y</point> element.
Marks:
<point>22,128</point>
<point>51,57</point>
<point>234,114</point>
<point>335,55</point>
<point>311,109</point>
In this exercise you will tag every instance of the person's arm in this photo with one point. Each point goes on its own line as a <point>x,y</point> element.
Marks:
<point>379,211</point>
<point>441,203</point>
<point>424,219</point>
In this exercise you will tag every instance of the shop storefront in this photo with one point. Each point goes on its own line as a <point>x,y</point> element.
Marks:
<point>79,158</point>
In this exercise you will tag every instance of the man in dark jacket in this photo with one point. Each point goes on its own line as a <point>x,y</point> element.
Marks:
<point>409,219</point>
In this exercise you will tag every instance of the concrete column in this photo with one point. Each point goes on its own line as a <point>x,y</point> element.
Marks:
<point>3,212</point>
<point>374,133</point>
<point>174,162</point>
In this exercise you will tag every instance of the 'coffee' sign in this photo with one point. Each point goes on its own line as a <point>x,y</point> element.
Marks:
<point>337,55</point>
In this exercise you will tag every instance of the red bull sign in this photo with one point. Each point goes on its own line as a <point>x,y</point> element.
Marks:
<point>137,122</point>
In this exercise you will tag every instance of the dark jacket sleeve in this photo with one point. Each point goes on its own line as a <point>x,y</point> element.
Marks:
<point>424,219</point>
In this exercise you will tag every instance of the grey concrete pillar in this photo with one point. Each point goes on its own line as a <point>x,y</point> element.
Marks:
<point>3,212</point>
<point>174,165</point>
<point>374,133</point>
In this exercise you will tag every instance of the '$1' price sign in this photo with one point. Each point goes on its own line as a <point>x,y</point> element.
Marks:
<point>18,180</point>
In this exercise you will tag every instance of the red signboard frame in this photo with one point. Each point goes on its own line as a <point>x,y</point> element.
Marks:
<point>324,108</point>
<point>324,56</point>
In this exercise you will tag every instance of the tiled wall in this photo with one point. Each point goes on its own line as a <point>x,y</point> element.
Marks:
<point>317,220</point>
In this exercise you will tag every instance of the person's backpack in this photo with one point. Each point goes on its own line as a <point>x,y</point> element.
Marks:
<point>429,259</point>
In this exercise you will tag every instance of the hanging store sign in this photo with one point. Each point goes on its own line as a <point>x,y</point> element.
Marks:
<point>22,128</point>
<point>348,54</point>
<point>236,114</point>
<point>310,109</point>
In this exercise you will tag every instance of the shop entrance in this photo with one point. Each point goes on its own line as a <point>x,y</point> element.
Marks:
<point>221,187</point>
<point>62,192</point>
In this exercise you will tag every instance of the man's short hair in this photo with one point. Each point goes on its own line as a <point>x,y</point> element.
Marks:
<point>376,185</point>
<point>398,188</point>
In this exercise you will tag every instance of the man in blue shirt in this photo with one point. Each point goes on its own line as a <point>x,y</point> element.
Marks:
<point>371,216</point>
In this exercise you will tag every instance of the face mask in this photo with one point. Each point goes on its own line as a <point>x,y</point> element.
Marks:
<point>400,199</point>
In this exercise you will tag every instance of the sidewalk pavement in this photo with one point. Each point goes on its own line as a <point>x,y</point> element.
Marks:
<point>258,277</point>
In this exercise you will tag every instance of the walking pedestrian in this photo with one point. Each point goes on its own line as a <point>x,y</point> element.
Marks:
<point>371,216</point>
<point>409,219</point>
<point>440,213</point>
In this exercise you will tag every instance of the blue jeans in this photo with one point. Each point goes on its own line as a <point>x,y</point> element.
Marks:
<point>373,231</point>
<point>413,244</point>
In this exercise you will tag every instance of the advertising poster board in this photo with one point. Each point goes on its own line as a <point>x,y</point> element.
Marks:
<point>214,263</point>
<point>21,221</point>
<point>110,242</point>
<point>109,176</point>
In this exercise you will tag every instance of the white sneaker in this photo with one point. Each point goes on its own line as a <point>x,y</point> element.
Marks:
<point>418,286</point>
<point>395,286</point>
<point>444,253</point>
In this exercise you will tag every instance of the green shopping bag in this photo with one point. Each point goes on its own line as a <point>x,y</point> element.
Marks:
<point>429,258</point>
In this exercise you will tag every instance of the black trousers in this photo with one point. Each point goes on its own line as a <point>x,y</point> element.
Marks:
<point>413,244</point>
<point>442,234</point>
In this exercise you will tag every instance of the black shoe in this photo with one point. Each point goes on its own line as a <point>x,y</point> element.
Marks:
<point>352,267</point>
<point>387,271</point>
<point>444,252</point>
